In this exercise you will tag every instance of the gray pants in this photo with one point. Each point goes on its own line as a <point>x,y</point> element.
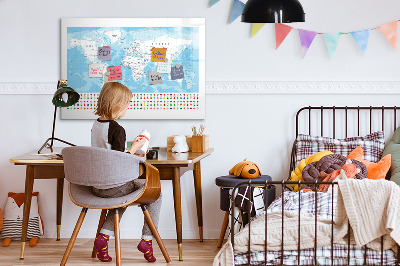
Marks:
<point>154,208</point>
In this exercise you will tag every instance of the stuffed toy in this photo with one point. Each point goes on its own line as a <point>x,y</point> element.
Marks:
<point>13,215</point>
<point>245,169</point>
<point>180,144</point>
<point>296,174</point>
<point>375,170</point>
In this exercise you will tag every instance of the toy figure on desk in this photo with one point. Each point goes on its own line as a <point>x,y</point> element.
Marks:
<point>13,214</point>
<point>180,144</point>
<point>114,100</point>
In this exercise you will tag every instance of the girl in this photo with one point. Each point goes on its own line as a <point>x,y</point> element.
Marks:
<point>106,133</point>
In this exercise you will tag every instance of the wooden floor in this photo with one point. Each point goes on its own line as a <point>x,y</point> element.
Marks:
<point>50,252</point>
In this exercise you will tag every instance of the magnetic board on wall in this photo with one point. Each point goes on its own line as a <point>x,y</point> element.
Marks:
<point>161,60</point>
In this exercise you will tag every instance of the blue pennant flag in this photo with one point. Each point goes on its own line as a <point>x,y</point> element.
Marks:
<point>213,2</point>
<point>361,38</point>
<point>332,41</point>
<point>237,9</point>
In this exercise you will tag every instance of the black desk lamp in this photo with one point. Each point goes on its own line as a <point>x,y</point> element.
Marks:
<point>59,100</point>
<point>273,11</point>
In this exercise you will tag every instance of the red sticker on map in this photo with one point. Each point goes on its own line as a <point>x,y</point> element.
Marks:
<point>115,73</point>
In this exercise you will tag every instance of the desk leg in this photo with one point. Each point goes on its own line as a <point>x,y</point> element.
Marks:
<point>199,204</point>
<point>27,206</point>
<point>176,182</point>
<point>60,190</point>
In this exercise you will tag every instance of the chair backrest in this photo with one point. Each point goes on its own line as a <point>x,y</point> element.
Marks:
<point>92,166</point>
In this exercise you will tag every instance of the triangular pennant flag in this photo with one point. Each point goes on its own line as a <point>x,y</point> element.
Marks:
<point>332,41</point>
<point>390,32</point>
<point>237,9</point>
<point>306,39</point>
<point>213,2</point>
<point>281,31</point>
<point>361,37</point>
<point>256,28</point>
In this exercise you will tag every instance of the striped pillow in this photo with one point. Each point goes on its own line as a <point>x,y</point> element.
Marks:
<point>372,145</point>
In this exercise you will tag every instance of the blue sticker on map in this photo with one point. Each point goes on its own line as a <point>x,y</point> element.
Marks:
<point>177,72</point>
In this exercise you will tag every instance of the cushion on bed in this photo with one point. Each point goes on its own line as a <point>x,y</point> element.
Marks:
<point>375,170</point>
<point>328,164</point>
<point>393,148</point>
<point>372,144</point>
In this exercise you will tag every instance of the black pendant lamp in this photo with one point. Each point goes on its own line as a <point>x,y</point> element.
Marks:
<point>273,11</point>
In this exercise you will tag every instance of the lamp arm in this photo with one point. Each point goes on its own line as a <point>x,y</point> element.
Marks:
<point>54,127</point>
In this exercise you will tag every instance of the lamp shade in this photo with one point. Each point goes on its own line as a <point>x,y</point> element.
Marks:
<point>273,11</point>
<point>71,99</point>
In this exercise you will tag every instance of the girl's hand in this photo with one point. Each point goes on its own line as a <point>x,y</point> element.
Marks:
<point>137,144</point>
<point>143,155</point>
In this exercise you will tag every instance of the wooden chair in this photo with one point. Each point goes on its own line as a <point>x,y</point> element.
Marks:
<point>85,167</point>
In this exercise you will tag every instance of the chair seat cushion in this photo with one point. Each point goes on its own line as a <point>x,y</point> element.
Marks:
<point>83,195</point>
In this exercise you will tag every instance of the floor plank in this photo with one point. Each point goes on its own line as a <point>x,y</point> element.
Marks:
<point>50,252</point>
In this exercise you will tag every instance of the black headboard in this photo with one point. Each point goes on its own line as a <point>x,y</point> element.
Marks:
<point>344,121</point>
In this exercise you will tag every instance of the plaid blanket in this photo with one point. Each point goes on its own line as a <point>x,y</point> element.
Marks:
<point>323,205</point>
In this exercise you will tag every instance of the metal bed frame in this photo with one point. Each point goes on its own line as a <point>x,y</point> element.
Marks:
<point>283,184</point>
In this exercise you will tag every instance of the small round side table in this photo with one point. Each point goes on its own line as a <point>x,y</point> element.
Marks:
<point>228,182</point>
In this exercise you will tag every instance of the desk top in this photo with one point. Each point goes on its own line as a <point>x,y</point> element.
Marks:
<point>164,157</point>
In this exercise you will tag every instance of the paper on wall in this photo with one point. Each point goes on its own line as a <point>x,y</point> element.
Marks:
<point>96,70</point>
<point>155,77</point>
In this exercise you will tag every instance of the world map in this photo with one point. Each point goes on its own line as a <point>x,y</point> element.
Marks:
<point>131,49</point>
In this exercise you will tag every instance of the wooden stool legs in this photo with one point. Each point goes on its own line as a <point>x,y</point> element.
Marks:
<point>223,229</point>
<point>154,230</point>
<point>117,239</point>
<point>73,237</point>
<point>101,222</point>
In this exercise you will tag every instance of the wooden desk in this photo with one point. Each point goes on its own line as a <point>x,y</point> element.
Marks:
<point>171,167</point>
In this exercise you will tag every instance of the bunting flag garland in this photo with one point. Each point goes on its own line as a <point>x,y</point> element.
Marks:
<point>256,27</point>
<point>306,39</point>
<point>361,38</point>
<point>281,31</point>
<point>389,30</point>
<point>237,9</point>
<point>213,2</point>
<point>332,41</point>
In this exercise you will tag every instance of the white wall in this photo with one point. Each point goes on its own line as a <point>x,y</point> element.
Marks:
<point>259,127</point>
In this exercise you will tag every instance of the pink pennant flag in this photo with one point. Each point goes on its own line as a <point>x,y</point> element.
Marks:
<point>281,31</point>
<point>389,30</point>
<point>306,39</point>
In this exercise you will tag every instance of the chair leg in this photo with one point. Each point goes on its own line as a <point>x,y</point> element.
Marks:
<point>154,230</point>
<point>101,222</point>
<point>223,229</point>
<point>73,237</point>
<point>117,239</point>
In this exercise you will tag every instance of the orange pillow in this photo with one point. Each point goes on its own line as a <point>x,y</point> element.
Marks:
<point>375,170</point>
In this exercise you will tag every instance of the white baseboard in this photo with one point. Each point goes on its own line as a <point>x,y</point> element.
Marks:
<point>247,87</point>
